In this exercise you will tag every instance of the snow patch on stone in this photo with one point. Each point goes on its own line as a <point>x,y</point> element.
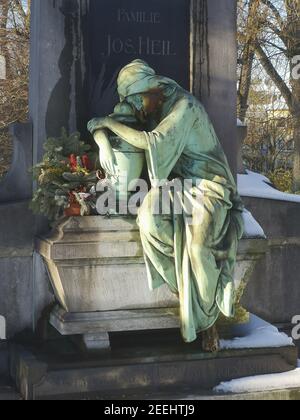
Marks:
<point>252,227</point>
<point>256,334</point>
<point>256,185</point>
<point>276,382</point>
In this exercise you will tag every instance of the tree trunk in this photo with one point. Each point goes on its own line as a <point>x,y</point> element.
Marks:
<point>4,10</point>
<point>296,166</point>
<point>293,29</point>
<point>245,82</point>
<point>296,118</point>
<point>275,76</point>
<point>247,61</point>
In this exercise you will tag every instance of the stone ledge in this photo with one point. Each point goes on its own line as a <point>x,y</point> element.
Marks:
<point>15,252</point>
<point>4,361</point>
<point>286,215</point>
<point>280,395</point>
<point>98,237</point>
<point>8,393</point>
<point>17,224</point>
<point>17,183</point>
<point>280,242</point>
<point>96,265</point>
<point>292,394</point>
<point>142,371</point>
<point>114,321</point>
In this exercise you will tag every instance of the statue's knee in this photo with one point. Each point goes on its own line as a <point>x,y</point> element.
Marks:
<point>150,226</point>
<point>145,220</point>
<point>200,250</point>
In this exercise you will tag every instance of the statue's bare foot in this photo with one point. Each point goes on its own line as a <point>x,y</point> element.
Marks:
<point>211,340</point>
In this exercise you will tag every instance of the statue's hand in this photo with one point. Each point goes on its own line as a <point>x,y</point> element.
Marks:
<point>107,160</point>
<point>96,124</point>
<point>107,155</point>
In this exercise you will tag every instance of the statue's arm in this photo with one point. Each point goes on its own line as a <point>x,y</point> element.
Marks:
<point>101,138</point>
<point>128,134</point>
<point>106,155</point>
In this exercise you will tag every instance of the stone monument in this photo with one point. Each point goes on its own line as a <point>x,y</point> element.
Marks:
<point>99,276</point>
<point>181,147</point>
<point>76,53</point>
<point>61,72</point>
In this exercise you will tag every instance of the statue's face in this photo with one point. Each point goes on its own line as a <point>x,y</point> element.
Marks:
<point>147,103</point>
<point>136,101</point>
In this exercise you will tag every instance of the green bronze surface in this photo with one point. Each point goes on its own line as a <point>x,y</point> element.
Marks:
<point>193,252</point>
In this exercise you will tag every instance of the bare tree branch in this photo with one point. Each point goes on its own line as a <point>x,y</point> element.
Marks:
<point>275,12</point>
<point>274,76</point>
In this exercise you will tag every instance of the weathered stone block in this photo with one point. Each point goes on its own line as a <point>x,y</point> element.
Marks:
<point>98,273</point>
<point>273,292</point>
<point>142,371</point>
<point>17,183</point>
<point>23,281</point>
<point>4,365</point>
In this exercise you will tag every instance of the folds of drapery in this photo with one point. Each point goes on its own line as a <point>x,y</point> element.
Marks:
<point>193,251</point>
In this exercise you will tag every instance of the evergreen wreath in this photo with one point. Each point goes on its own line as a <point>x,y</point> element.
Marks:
<point>65,178</point>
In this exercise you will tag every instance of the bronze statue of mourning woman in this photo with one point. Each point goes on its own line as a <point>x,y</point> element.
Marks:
<point>192,250</point>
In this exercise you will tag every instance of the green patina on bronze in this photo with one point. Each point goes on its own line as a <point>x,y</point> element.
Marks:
<point>195,254</point>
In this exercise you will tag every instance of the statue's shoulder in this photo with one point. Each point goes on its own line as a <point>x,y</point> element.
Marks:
<point>184,99</point>
<point>188,101</point>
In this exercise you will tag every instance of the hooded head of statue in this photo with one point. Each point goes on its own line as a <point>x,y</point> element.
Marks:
<point>138,78</point>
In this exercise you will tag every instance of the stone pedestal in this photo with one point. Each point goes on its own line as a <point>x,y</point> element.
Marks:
<point>3,361</point>
<point>144,366</point>
<point>97,271</point>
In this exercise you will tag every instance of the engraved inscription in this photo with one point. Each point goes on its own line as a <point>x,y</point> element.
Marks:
<point>140,45</point>
<point>153,18</point>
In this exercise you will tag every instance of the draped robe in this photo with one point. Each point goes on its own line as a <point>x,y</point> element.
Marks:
<point>193,252</point>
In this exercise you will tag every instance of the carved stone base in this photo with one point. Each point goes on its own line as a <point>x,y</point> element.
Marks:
<point>140,371</point>
<point>96,342</point>
<point>99,277</point>
<point>95,326</point>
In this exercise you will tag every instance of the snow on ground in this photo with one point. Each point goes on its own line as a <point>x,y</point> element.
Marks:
<point>256,334</point>
<point>288,380</point>
<point>256,185</point>
<point>259,334</point>
<point>252,227</point>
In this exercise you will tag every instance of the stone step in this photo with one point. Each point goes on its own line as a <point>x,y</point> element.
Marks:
<point>287,329</point>
<point>141,371</point>
<point>277,395</point>
<point>292,394</point>
<point>4,357</point>
<point>9,393</point>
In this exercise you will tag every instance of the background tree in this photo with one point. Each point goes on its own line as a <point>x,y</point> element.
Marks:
<point>269,36</point>
<point>247,35</point>
<point>14,51</point>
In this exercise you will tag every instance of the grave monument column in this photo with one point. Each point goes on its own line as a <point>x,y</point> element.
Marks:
<point>63,65</point>
<point>57,72</point>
